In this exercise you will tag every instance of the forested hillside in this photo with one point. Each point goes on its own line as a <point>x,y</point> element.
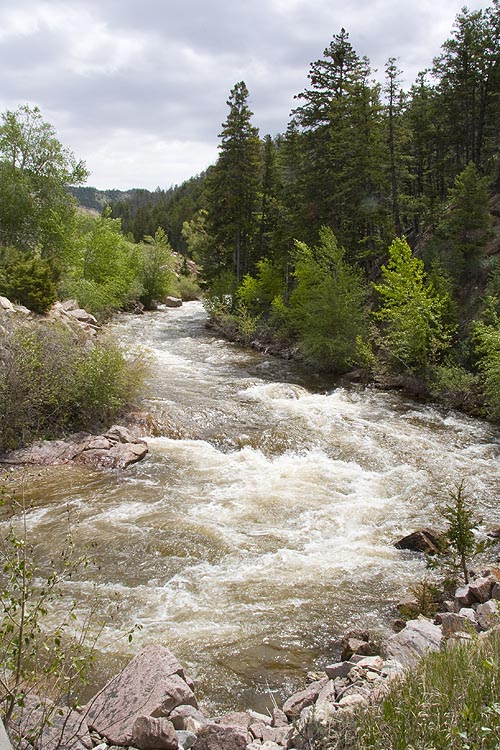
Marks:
<point>365,238</point>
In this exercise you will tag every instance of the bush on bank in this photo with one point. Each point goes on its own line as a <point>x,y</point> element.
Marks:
<point>53,380</point>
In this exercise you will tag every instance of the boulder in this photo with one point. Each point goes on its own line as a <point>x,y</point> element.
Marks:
<point>413,642</point>
<point>293,706</point>
<point>423,540</point>
<point>495,591</point>
<point>236,719</point>
<point>358,642</point>
<point>352,701</point>
<point>279,735</point>
<point>6,305</point>
<point>452,623</point>
<point>116,449</point>
<point>152,684</point>
<point>487,614</point>
<point>150,733</point>
<point>258,717</point>
<point>481,588</point>
<point>464,596</point>
<point>340,669</point>
<point>173,302</point>
<point>216,737</point>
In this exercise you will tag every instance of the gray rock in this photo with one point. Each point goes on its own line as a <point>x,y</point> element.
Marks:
<point>353,701</point>
<point>257,729</point>
<point>340,669</point>
<point>217,737</point>
<point>413,642</point>
<point>186,740</point>
<point>6,305</point>
<point>481,588</point>
<point>258,717</point>
<point>464,596</point>
<point>374,663</point>
<point>82,316</point>
<point>279,718</point>
<point>487,614</point>
<point>4,738</point>
<point>236,719</point>
<point>152,684</point>
<point>358,642</point>
<point>279,735</point>
<point>69,304</point>
<point>187,718</point>
<point>452,623</point>
<point>116,449</point>
<point>293,706</point>
<point>469,613</point>
<point>327,694</point>
<point>173,302</point>
<point>495,591</point>
<point>150,733</point>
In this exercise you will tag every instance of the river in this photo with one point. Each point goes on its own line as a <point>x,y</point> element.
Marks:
<point>262,528</point>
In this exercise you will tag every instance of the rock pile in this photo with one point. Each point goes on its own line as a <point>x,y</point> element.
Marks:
<point>69,313</point>
<point>151,704</point>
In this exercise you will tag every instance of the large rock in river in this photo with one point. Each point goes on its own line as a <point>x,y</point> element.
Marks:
<point>151,685</point>
<point>116,449</point>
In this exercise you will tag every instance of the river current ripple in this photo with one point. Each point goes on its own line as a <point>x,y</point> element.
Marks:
<point>249,541</point>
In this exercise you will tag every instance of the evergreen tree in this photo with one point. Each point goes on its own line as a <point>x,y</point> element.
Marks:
<point>464,229</point>
<point>340,122</point>
<point>233,185</point>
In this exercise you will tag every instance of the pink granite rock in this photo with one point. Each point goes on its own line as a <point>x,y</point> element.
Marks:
<point>152,684</point>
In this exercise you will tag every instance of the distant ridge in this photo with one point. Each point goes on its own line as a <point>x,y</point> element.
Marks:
<point>92,198</point>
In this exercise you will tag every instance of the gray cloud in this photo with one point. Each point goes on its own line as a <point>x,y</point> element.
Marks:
<point>139,90</point>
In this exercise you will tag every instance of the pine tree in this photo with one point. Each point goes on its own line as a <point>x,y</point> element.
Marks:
<point>232,190</point>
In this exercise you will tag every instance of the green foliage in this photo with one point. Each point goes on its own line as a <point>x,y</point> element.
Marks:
<point>156,269</point>
<point>459,545</point>
<point>464,229</point>
<point>327,307</point>
<point>450,701</point>
<point>35,657</point>
<point>51,381</point>
<point>36,211</point>
<point>186,287</point>
<point>487,341</point>
<point>456,387</point>
<point>28,281</point>
<point>232,188</point>
<point>414,334</point>
<point>105,269</point>
<point>258,292</point>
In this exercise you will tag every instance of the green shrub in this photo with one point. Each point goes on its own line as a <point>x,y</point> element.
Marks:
<point>187,288</point>
<point>52,381</point>
<point>29,282</point>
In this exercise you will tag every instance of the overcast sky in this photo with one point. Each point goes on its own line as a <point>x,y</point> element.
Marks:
<point>138,88</point>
